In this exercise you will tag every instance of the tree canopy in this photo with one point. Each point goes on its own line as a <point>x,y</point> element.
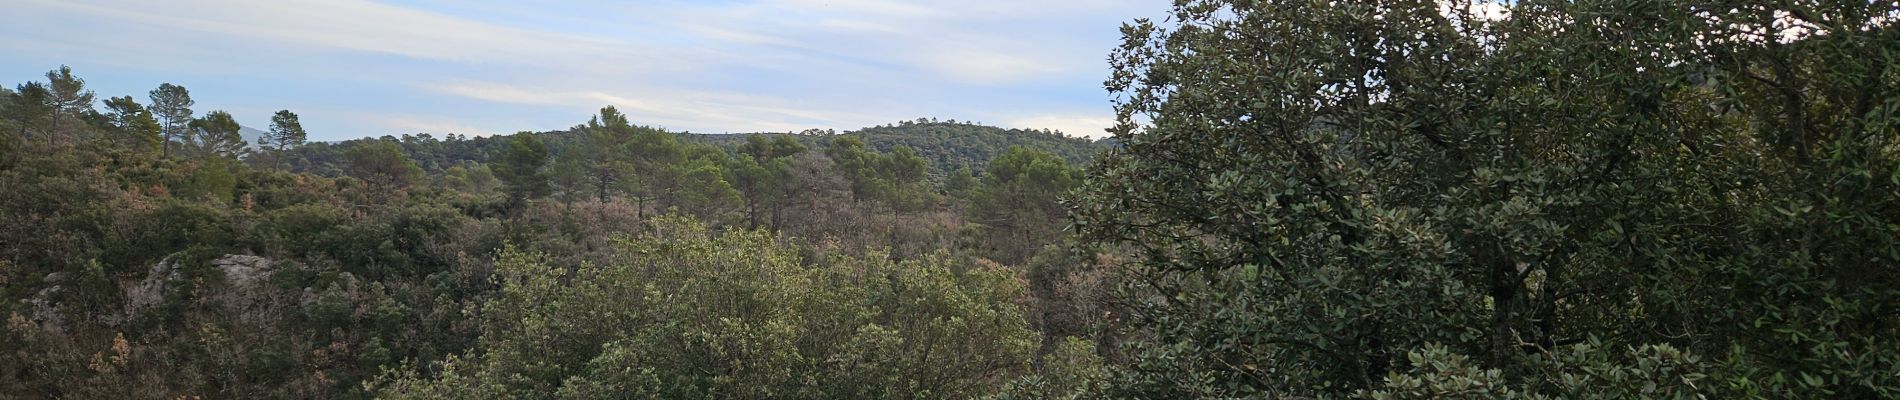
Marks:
<point>1565,199</point>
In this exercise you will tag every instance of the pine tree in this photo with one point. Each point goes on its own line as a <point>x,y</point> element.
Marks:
<point>69,100</point>
<point>216,135</point>
<point>172,104</point>
<point>286,132</point>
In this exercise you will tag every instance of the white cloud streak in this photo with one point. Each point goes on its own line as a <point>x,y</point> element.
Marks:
<point>762,65</point>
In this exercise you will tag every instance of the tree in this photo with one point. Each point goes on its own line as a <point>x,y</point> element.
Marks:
<point>602,154</point>
<point>172,104</point>
<point>1319,195</point>
<point>894,178</point>
<point>133,125</point>
<point>216,135</point>
<point>856,163</point>
<point>10,137</point>
<point>901,180</point>
<point>31,108</point>
<point>382,164</point>
<point>684,312</point>
<point>520,169</point>
<point>285,133</point>
<point>70,99</point>
<point>657,161</point>
<point>960,183</point>
<point>1018,202</point>
<point>760,175</point>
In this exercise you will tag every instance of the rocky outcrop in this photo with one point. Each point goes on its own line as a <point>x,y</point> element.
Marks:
<point>248,296</point>
<point>245,273</point>
<point>246,276</point>
<point>151,290</point>
<point>43,308</point>
<point>246,292</point>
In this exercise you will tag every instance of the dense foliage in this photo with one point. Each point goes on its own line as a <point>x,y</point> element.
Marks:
<point>1566,199</point>
<point>679,312</point>
<point>1359,199</point>
<point>148,254</point>
<point>950,145</point>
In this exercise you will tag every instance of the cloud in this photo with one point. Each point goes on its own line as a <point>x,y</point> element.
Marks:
<point>881,8</point>
<point>988,67</point>
<point>980,42</point>
<point>744,65</point>
<point>1085,125</point>
<point>351,25</point>
<point>689,110</point>
<point>402,124</point>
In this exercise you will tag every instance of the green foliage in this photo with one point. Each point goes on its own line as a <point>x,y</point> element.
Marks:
<point>951,145</point>
<point>895,179</point>
<point>1017,203</point>
<point>1581,371</point>
<point>685,313</point>
<point>69,100</point>
<point>1071,371</point>
<point>521,169</point>
<point>286,132</point>
<point>761,174</point>
<point>382,164</point>
<point>216,136</point>
<point>31,110</point>
<point>172,104</point>
<point>133,126</point>
<point>1314,190</point>
<point>213,179</point>
<point>602,155</point>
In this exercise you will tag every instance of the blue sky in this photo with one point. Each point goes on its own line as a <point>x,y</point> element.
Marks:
<point>355,68</point>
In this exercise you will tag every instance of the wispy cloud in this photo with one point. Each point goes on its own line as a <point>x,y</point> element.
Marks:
<point>1088,125</point>
<point>684,110</point>
<point>351,25</point>
<point>750,65</point>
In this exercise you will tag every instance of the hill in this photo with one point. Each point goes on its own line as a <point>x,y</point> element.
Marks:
<point>945,146</point>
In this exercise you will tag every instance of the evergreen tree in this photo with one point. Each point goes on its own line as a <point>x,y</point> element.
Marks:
<point>520,169</point>
<point>172,104</point>
<point>382,164</point>
<point>69,99</point>
<point>602,154</point>
<point>1018,202</point>
<point>32,109</point>
<point>216,135</point>
<point>286,132</point>
<point>134,126</point>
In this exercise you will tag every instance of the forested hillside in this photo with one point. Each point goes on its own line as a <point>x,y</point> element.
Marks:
<point>147,253</point>
<point>1385,200</point>
<point>946,147</point>
<point>951,145</point>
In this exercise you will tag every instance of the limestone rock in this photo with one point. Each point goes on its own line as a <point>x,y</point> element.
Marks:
<point>151,290</point>
<point>244,272</point>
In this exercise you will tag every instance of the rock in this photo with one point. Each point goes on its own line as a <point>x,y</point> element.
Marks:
<point>42,309</point>
<point>248,297</point>
<point>246,275</point>
<point>150,291</point>
<point>57,278</point>
<point>244,272</point>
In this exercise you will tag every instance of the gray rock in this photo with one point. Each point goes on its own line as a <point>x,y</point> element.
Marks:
<point>42,309</point>
<point>244,272</point>
<point>151,290</point>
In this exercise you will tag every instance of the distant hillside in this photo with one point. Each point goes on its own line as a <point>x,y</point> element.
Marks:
<point>949,145</point>
<point>250,136</point>
<point>946,146</point>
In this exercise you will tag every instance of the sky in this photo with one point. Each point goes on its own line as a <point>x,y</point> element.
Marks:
<point>360,68</point>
